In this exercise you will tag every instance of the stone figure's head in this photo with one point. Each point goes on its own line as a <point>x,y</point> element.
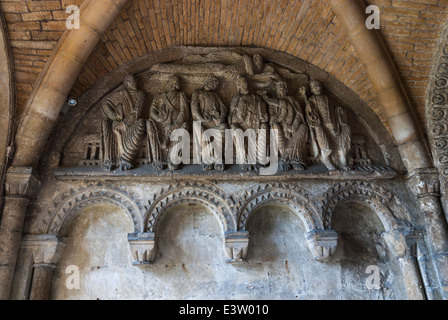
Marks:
<point>173,83</point>
<point>129,82</point>
<point>210,84</point>
<point>280,88</point>
<point>315,87</point>
<point>242,85</point>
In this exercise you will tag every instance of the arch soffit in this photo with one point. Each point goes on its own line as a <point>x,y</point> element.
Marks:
<point>381,201</point>
<point>206,195</point>
<point>296,200</point>
<point>65,211</point>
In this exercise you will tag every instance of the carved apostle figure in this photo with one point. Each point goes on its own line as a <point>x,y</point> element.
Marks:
<point>321,125</point>
<point>286,117</point>
<point>342,139</point>
<point>208,108</point>
<point>168,111</point>
<point>122,128</point>
<point>248,111</point>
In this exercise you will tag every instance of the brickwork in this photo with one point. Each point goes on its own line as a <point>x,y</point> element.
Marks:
<point>306,29</point>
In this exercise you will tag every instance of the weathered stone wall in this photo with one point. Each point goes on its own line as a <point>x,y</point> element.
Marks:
<point>146,233</point>
<point>190,260</point>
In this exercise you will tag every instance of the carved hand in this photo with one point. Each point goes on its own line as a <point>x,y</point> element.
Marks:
<point>118,126</point>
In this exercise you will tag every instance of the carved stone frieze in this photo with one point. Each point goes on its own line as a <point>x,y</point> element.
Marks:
<point>437,114</point>
<point>248,110</point>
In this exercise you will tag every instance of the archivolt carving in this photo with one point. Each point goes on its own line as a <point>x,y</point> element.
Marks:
<point>437,113</point>
<point>205,194</point>
<point>374,196</point>
<point>278,193</point>
<point>69,205</point>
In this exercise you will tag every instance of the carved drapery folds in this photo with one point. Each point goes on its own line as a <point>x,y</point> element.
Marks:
<point>271,106</point>
<point>122,128</point>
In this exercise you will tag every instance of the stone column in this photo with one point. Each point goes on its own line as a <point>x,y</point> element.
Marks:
<point>21,184</point>
<point>46,250</point>
<point>425,185</point>
<point>403,244</point>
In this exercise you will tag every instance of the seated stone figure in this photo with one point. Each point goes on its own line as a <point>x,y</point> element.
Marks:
<point>122,128</point>
<point>168,111</point>
<point>207,107</point>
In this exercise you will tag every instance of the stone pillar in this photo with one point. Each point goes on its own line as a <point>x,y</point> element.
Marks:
<point>46,250</point>
<point>403,244</point>
<point>425,185</point>
<point>21,184</point>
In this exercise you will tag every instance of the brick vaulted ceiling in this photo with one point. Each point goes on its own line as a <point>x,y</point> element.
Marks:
<point>307,29</point>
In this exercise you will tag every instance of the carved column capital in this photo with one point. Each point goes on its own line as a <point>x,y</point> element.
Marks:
<point>322,244</point>
<point>21,182</point>
<point>413,239</point>
<point>142,247</point>
<point>403,242</point>
<point>236,246</point>
<point>424,182</point>
<point>45,248</point>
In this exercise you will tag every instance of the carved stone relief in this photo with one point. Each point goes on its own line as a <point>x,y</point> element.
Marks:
<point>122,128</point>
<point>437,114</point>
<point>224,91</point>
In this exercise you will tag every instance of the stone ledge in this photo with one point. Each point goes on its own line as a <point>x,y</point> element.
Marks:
<point>232,173</point>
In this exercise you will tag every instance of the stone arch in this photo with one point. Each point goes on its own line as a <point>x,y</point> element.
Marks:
<point>7,100</point>
<point>278,194</point>
<point>376,198</point>
<point>189,194</point>
<point>65,211</point>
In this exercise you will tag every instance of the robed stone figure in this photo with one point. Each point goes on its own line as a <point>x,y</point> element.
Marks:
<point>208,109</point>
<point>248,112</point>
<point>168,111</point>
<point>122,128</point>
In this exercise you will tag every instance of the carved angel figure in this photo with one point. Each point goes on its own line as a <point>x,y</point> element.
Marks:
<point>122,128</point>
<point>208,108</point>
<point>168,111</point>
<point>228,66</point>
<point>248,111</point>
